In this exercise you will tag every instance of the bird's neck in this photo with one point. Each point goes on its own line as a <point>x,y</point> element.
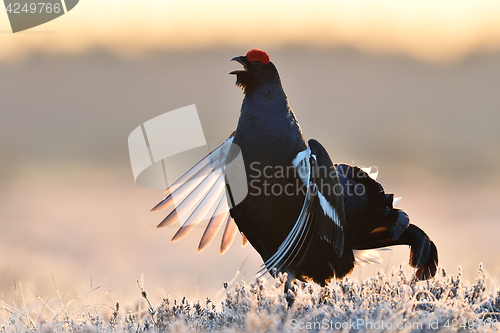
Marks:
<point>266,104</point>
<point>267,124</point>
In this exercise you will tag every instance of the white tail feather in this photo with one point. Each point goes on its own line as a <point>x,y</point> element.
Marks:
<point>364,257</point>
<point>373,175</point>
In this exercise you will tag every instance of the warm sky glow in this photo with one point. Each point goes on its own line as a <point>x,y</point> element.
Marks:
<point>433,30</point>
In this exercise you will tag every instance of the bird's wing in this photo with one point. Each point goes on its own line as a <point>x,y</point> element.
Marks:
<point>322,211</point>
<point>199,196</point>
<point>292,249</point>
<point>330,218</point>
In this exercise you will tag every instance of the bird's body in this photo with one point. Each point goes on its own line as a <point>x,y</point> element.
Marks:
<point>267,125</point>
<point>308,224</point>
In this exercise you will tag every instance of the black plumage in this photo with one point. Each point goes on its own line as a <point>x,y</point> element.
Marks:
<point>314,217</point>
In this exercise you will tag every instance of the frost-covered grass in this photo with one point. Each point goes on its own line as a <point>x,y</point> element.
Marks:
<point>383,303</point>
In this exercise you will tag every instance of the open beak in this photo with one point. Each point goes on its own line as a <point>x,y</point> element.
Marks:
<point>241,61</point>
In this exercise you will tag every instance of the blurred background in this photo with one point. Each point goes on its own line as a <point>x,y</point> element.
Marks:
<point>411,88</point>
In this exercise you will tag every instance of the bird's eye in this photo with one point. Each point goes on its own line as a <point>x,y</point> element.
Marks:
<point>256,63</point>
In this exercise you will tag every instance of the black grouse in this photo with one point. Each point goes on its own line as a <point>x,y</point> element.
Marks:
<point>303,214</point>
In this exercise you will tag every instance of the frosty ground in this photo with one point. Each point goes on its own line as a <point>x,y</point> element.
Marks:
<point>384,303</point>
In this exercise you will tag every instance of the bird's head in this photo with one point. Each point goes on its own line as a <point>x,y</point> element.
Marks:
<point>257,70</point>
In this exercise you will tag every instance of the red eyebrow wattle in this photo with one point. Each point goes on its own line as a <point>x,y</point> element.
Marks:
<point>258,55</point>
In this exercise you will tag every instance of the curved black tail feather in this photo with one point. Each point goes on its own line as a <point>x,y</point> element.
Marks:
<point>429,268</point>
